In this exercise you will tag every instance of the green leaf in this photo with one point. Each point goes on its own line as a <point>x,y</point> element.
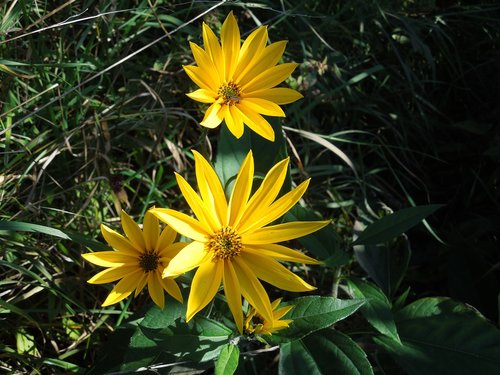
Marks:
<point>324,352</point>
<point>323,244</point>
<point>199,340</point>
<point>393,225</point>
<point>386,264</point>
<point>19,226</point>
<point>228,360</point>
<point>441,336</point>
<point>377,309</point>
<point>313,313</point>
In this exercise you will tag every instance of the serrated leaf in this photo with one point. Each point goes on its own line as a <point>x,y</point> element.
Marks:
<point>393,225</point>
<point>323,352</point>
<point>441,336</point>
<point>228,360</point>
<point>377,309</point>
<point>313,313</point>
<point>199,340</point>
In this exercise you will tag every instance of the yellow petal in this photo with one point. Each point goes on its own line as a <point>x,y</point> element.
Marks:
<point>230,41</point>
<point>123,289</point>
<point>151,230</point>
<point>172,250</point>
<point>202,211</point>
<point>281,312</point>
<point>182,223</point>
<point>270,77</point>
<point>141,282</point>
<point>188,258</point>
<point>282,232</point>
<point>241,190</point>
<point>264,107</point>
<point>213,116</point>
<point>211,189</point>
<point>204,61</point>
<point>265,194</point>
<point>256,122</point>
<point>213,48</point>
<point>109,258</point>
<point>205,284</point>
<point>265,213</point>
<point>278,95</point>
<point>275,274</point>
<point>233,294</point>
<point>112,274</point>
<point>251,50</point>
<point>280,252</point>
<point>167,237</point>
<point>155,289</point>
<point>172,288</point>
<point>118,242</point>
<point>267,59</point>
<point>133,232</point>
<point>204,96</point>
<point>200,77</point>
<point>234,122</point>
<point>252,289</point>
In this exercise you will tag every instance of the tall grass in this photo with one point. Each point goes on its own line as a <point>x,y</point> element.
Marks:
<point>92,122</point>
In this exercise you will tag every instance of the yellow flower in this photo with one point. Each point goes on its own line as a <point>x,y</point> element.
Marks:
<point>137,260</point>
<point>238,81</point>
<point>232,243</point>
<point>256,324</point>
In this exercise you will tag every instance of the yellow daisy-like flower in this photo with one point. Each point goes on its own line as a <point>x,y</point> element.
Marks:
<point>256,324</point>
<point>136,260</point>
<point>232,242</point>
<point>239,80</point>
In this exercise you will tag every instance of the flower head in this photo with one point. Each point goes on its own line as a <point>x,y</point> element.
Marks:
<point>137,259</point>
<point>232,241</point>
<point>256,324</point>
<point>238,81</point>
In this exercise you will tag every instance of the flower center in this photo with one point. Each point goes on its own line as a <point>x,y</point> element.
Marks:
<point>230,93</point>
<point>224,244</point>
<point>149,261</point>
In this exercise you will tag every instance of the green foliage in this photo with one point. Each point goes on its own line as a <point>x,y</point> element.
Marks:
<point>399,114</point>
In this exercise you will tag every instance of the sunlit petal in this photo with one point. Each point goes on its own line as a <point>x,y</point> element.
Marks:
<point>172,288</point>
<point>252,289</point>
<point>204,96</point>
<point>132,231</point>
<point>233,294</point>
<point>155,289</point>
<point>123,289</point>
<point>172,250</point>
<point>256,122</point>
<point>282,232</point>
<point>182,223</point>
<point>118,242</point>
<point>265,213</point>
<point>213,48</point>
<point>213,116</point>
<point>241,190</point>
<point>167,237</point>
<point>270,77</point>
<point>210,188</point>
<point>200,77</point>
<point>234,123</point>
<point>278,95</point>
<point>230,41</point>
<point>280,252</point>
<point>151,230</point>
<point>265,194</point>
<point>109,258</point>
<point>275,274</point>
<point>141,282</point>
<point>111,274</point>
<point>267,59</point>
<point>251,51</point>
<point>188,258</point>
<point>264,107</point>
<point>205,284</point>
<point>206,64</point>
